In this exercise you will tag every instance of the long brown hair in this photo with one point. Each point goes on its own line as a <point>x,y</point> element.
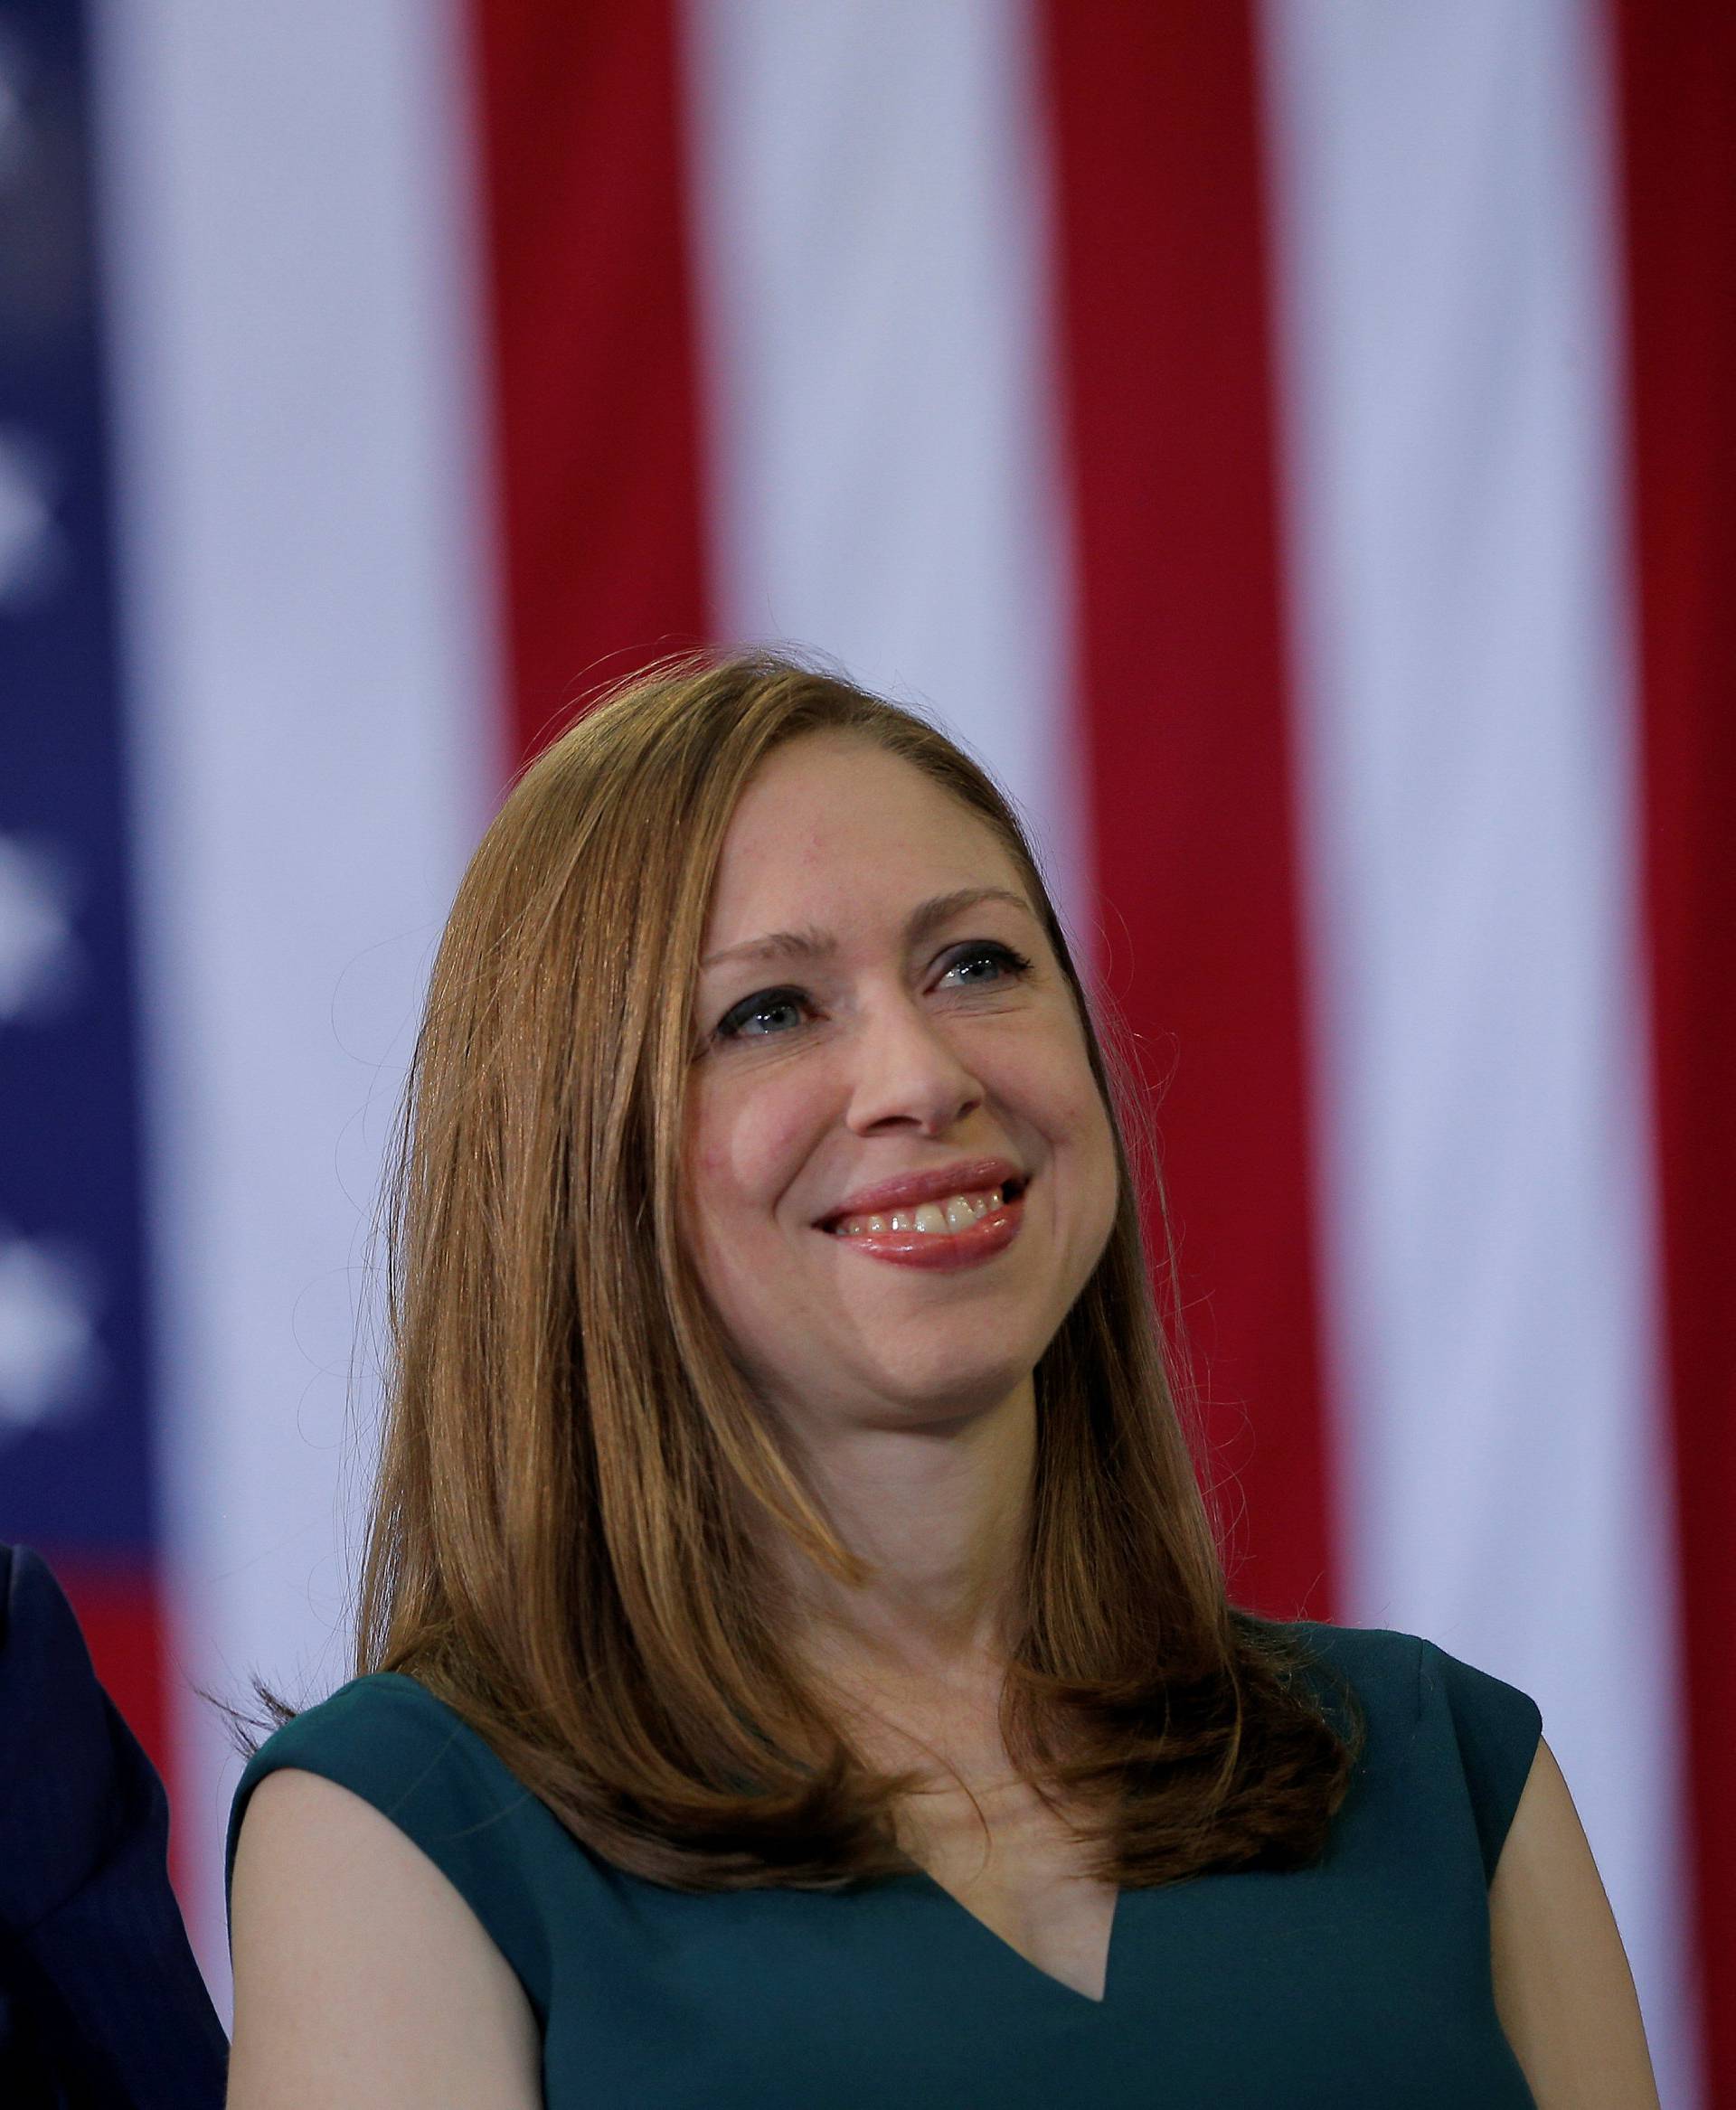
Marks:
<point>576,1482</point>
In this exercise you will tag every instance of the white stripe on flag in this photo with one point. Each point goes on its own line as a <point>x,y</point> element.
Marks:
<point>1445,250</point>
<point>871,194</point>
<point>314,754</point>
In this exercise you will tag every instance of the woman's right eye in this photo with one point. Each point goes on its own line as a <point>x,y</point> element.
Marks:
<point>741,1022</point>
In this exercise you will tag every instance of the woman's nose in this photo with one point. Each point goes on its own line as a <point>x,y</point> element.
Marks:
<point>906,1070</point>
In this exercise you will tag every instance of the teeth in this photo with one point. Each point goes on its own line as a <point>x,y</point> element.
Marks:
<point>958,1213</point>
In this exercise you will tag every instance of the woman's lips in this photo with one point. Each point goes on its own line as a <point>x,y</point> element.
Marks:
<point>942,1251</point>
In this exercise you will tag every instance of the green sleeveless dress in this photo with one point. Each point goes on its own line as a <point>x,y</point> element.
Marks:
<point>1365,1979</point>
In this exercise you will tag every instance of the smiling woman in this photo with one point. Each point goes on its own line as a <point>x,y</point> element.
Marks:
<point>794,1661</point>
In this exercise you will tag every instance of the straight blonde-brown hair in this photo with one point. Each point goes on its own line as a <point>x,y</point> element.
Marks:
<point>568,1542</point>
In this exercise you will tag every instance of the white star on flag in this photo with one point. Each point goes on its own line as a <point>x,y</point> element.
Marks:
<point>12,136</point>
<point>38,957</point>
<point>32,552</point>
<point>48,1358</point>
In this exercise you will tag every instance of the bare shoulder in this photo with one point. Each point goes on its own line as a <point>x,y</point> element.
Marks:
<point>1562,1986</point>
<point>361,1975</point>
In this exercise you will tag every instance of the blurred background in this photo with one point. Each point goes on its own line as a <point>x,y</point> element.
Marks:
<point>1292,443</point>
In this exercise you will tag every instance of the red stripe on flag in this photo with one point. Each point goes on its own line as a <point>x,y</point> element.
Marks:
<point>1678,86</point>
<point>117,1610</point>
<point>119,1615</point>
<point>1166,336</point>
<point>595,387</point>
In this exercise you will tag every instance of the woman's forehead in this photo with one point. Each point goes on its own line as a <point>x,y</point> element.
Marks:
<point>830,826</point>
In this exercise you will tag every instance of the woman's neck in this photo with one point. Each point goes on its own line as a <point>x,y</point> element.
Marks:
<point>940,1517</point>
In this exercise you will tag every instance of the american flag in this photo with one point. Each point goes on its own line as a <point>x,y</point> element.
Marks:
<point>1292,441</point>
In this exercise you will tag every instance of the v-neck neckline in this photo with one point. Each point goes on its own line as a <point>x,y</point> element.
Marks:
<point>986,1933</point>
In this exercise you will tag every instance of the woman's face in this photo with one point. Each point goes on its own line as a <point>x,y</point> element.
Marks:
<point>890,1033</point>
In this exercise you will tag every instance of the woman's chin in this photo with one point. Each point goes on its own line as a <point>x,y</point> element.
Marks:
<point>942,1403</point>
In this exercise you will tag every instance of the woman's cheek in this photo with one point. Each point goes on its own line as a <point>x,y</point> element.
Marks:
<point>772,1135</point>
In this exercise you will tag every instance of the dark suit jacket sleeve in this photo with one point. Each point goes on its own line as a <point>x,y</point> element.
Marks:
<point>101,2002</point>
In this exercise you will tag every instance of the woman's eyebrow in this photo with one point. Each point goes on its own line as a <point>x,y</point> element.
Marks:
<point>812,943</point>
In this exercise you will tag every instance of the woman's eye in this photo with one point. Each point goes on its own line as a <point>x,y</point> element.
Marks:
<point>742,1021</point>
<point>1001,958</point>
<point>770,1014</point>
